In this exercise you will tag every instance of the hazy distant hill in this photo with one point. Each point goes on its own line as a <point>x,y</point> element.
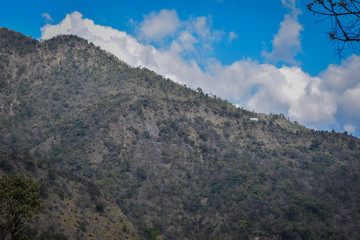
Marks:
<point>123,153</point>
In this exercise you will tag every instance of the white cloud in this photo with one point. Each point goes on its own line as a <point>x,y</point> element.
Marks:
<point>119,43</point>
<point>159,25</point>
<point>344,82</point>
<point>350,128</point>
<point>47,17</point>
<point>329,99</point>
<point>187,41</point>
<point>291,4</point>
<point>202,27</point>
<point>349,102</point>
<point>190,38</point>
<point>286,43</point>
<point>287,90</point>
<point>312,108</point>
<point>340,78</point>
<point>232,36</point>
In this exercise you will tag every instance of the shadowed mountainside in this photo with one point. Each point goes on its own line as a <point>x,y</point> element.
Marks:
<point>122,152</point>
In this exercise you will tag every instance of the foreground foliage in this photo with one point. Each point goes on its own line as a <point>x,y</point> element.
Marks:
<point>19,201</point>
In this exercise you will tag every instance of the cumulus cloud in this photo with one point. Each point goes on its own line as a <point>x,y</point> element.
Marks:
<point>186,41</point>
<point>124,46</point>
<point>332,98</point>
<point>192,37</point>
<point>342,77</point>
<point>350,128</point>
<point>232,36</point>
<point>159,25</point>
<point>286,43</point>
<point>285,90</point>
<point>47,17</point>
<point>197,35</point>
<point>291,4</point>
<point>349,101</point>
<point>343,81</point>
<point>202,27</point>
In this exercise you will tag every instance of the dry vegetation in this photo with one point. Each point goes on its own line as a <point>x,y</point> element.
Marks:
<point>122,153</point>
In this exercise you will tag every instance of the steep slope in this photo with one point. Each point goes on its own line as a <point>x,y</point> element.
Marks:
<point>177,162</point>
<point>75,208</point>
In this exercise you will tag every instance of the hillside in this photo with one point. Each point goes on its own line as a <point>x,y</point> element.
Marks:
<point>122,152</point>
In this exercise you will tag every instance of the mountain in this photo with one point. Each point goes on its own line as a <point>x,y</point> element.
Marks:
<point>123,153</point>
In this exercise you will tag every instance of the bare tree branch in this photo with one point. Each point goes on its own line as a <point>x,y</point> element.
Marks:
<point>345,20</point>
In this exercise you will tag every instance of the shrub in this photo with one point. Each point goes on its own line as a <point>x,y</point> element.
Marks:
<point>100,206</point>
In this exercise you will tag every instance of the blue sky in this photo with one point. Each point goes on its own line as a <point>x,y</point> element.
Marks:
<point>254,21</point>
<point>267,56</point>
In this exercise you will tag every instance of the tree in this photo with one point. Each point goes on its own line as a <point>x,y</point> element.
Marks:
<point>345,20</point>
<point>19,201</point>
<point>152,234</point>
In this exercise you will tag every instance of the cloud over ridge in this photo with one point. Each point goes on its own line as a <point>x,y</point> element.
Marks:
<point>328,100</point>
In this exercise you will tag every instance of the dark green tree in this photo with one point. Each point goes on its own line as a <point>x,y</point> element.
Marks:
<point>19,201</point>
<point>152,234</point>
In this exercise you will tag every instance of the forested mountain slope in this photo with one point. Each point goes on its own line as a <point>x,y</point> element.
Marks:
<point>129,154</point>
